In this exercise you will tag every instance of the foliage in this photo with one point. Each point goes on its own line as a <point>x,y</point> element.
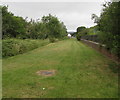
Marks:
<point>109,26</point>
<point>17,27</point>
<point>96,18</point>
<point>79,29</point>
<point>78,36</point>
<point>55,28</point>
<point>12,26</point>
<point>52,39</point>
<point>11,47</point>
<point>93,30</point>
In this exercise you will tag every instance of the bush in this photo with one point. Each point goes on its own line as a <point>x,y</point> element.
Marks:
<point>12,47</point>
<point>78,37</point>
<point>108,25</point>
<point>52,40</point>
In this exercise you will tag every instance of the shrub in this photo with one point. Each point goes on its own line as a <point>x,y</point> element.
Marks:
<point>78,36</point>
<point>11,47</point>
<point>52,40</point>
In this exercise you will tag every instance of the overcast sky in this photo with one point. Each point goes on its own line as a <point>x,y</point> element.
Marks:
<point>73,14</point>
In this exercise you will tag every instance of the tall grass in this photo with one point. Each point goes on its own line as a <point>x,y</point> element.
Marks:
<point>12,47</point>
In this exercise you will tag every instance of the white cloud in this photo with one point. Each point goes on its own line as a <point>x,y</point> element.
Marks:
<point>72,14</point>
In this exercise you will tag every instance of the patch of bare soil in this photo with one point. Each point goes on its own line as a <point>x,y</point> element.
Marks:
<point>46,72</point>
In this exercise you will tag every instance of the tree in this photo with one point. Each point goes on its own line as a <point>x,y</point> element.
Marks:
<point>13,26</point>
<point>18,27</point>
<point>55,28</point>
<point>109,26</point>
<point>95,18</point>
<point>79,29</point>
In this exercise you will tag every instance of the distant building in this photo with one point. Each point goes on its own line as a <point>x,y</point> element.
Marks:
<point>69,35</point>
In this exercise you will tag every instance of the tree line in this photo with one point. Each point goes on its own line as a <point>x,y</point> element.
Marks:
<point>18,27</point>
<point>107,27</point>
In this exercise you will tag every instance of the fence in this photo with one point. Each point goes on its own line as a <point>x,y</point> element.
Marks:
<point>93,38</point>
<point>94,42</point>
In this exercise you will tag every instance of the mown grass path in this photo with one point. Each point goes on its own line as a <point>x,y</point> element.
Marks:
<point>81,72</point>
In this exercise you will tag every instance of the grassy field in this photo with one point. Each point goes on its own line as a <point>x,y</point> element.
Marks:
<point>81,72</point>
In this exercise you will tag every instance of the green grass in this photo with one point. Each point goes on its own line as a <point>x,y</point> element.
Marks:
<point>81,72</point>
